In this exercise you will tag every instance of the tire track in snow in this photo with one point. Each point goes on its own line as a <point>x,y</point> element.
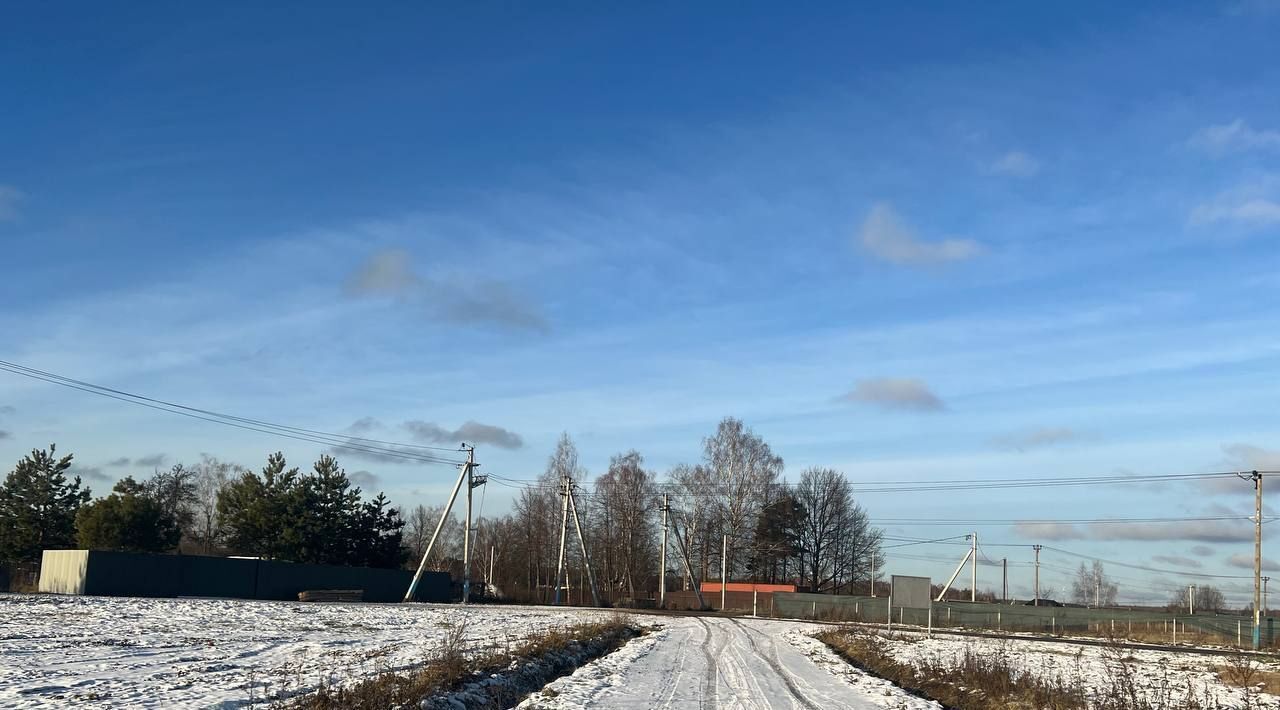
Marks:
<point>776,664</point>
<point>711,680</point>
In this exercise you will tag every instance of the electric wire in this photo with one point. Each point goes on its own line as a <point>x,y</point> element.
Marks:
<point>340,441</point>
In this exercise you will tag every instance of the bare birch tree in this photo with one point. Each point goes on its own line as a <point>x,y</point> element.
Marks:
<point>742,469</point>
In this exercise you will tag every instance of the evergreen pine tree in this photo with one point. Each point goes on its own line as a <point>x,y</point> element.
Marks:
<point>38,506</point>
<point>132,518</point>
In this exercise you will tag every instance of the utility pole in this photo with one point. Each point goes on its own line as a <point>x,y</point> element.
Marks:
<point>582,541</point>
<point>1257,559</point>
<point>561,574</point>
<point>1265,606</point>
<point>973,580</point>
<point>1037,549</point>
<point>1097,592</point>
<point>467,465</point>
<point>688,566</point>
<point>472,482</point>
<point>1004,579</point>
<point>1191,599</point>
<point>873,574</point>
<point>724,570</point>
<point>489,587</point>
<point>662,576</point>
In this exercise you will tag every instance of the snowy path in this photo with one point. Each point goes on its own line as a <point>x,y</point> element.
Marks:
<point>731,664</point>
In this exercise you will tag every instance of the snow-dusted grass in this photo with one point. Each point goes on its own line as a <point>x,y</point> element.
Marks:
<point>450,678</point>
<point>57,651</point>
<point>1077,676</point>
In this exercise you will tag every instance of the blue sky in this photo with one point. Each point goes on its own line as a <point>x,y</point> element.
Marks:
<point>928,244</point>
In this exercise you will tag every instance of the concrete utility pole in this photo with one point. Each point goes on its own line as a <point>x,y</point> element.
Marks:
<point>1097,592</point>
<point>1037,549</point>
<point>488,581</point>
<point>662,576</point>
<point>1257,560</point>
<point>1004,579</point>
<point>561,573</point>
<point>688,566</point>
<point>959,568</point>
<point>973,580</point>
<point>472,482</point>
<point>724,570</point>
<point>1265,606</point>
<point>873,574</point>
<point>465,475</point>
<point>1191,599</point>
<point>582,541</point>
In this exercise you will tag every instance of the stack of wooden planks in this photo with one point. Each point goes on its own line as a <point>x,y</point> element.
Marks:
<point>331,595</point>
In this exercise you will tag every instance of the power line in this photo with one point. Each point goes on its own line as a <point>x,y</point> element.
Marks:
<point>410,452</point>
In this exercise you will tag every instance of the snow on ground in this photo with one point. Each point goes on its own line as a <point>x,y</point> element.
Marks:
<point>1157,675</point>
<point>57,651</point>
<point>732,664</point>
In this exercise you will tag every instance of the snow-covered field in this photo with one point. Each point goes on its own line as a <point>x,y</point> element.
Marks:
<point>57,651</point>
<point>1157,675</point>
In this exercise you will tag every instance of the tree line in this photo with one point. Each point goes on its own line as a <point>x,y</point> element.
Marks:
<point>317,516</point>
<point>811,532</point>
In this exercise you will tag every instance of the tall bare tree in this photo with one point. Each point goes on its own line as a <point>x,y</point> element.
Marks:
<point>626,498</point>
<point>420,524</point>
<point>742,469</point>
<point>693,519</point>
<point>210,477</point>
<point>1091,586</point>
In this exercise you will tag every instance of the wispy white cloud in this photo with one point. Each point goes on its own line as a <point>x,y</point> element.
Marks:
<point>1253,7</point>
<point>885,236</point>
<point>385,273</point>
<point>471,432</point>
<point>89,473</point>
<point>390,273</point>
<point>1015,163</point>
<point>1247,457</point>
<point>1246,562</point>
<point>365,479</point>
<point>1178,561</point>
<point>900,393</point>
<point>1037,438</point>
<point>1237,136</point>
<point>1256,211</point>
<point>10,197</point>
<point>1195,530</point>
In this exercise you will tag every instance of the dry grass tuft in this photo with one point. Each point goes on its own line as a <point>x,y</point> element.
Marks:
<point>448,668</point>
<point>992,680</point>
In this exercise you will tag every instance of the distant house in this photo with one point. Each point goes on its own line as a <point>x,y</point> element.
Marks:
<point>748,587</point>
